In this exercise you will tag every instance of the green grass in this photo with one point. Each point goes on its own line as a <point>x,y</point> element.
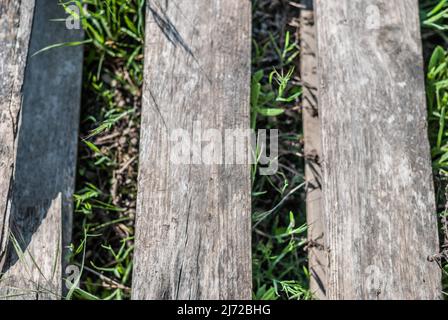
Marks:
<point>279,229</point>
<point>107,166</point>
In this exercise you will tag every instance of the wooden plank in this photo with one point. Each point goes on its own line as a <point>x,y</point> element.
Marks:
<point>317,257</point>
<point>193,227</point>
<point>381,225</point>
<point>15,29</point>
<point>43,133</point>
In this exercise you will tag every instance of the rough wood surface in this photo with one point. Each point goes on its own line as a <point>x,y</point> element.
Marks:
<point>15,28</point>
<point>43,133</point>
<point>313,151</point>
<point>193,227</point>
<point>378,190</point>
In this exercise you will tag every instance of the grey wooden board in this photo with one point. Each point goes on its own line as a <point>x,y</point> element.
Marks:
<point>317,256</point>
<point>193,227</point>
<point>39,208</point>
<point>379,203</point>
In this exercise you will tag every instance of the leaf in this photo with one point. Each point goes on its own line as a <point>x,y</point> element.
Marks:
<point>437,57</point>
<point>270,112</point>
<point>60,45</point>
<point>92,146</point>
<point>437,8</point>
<point>257,76</point>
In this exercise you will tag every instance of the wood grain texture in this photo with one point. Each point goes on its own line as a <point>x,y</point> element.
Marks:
<point>15,29</point>
<point>379,200</point>
<point>193,227</point>
<point>45,140</point>
<point>317,257</point>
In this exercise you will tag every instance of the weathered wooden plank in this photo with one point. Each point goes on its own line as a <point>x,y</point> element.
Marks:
<point>43,133</point>
<point>193,230</point>
<point>313,151</point>
<point>15,29</point>
<point>377,183</point>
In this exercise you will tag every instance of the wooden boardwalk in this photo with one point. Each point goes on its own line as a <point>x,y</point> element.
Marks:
<point>39,133</point>
<point>378,190</point>
<point>370,195</point>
